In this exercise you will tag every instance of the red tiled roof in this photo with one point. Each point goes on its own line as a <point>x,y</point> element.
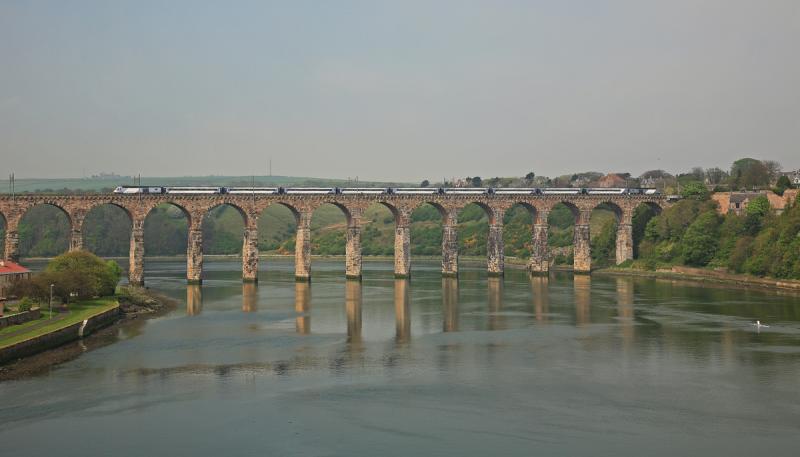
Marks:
<point>8,267</point>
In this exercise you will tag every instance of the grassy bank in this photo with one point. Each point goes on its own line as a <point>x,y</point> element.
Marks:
<point>77,312</point>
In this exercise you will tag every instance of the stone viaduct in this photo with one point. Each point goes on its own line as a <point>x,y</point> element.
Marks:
<point>12,208</point>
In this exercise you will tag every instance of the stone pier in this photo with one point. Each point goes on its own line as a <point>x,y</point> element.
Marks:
<point>450,244</point>
<point>194,256</point>
<point>302,248</point>
<point>250,255</point>
<point>624,243</point>
<point>12,245</point>
<point>75,240</point>
<point>136,255</point>
<point>540,254</point>
<point>353,253</point>
<point>582,245</point>
<point>402,249</point>
<point>495,257</point>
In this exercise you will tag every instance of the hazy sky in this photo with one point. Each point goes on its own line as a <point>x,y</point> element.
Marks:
<point>398,90</point>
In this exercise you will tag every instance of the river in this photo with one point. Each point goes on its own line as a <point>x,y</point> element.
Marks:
<point>477,366</point>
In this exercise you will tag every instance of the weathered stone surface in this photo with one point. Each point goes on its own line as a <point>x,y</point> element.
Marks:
<point>76,207</point>
<point>250,255</point>
<point>494,250</point>
<point>353,253</point>
<point>624,243</point>
<point>540,252</point>
<point>581,250</point>
<point>136,256</point>
<point>402,251</point>
<point>450,244</point>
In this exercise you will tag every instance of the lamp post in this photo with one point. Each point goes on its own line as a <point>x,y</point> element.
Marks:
<point>51,300</point>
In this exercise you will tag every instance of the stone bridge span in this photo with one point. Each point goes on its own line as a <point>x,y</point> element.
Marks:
<point>195,207</point>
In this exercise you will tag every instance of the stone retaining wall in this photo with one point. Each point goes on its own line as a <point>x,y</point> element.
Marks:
<point>54,339</point>
<point>20,318</point>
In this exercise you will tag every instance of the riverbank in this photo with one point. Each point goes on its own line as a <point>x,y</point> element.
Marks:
<point>706,276</point>
<point>88,327</point>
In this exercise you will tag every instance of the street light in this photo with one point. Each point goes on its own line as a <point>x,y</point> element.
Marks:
<point>51,300</point>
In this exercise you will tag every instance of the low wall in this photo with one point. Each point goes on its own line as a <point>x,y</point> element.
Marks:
<point>54,339</point>
<point>20,318</point>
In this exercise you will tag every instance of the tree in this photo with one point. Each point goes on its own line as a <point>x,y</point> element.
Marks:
<point>695,190</point>
<point>701,239</point>
<point>698,173</point>
<point>476,181</point>
<point>80,274</point>
<point>749,173</point>
<point>759,206</point>
<point>424,183</point>
<point>529,177</point>
<point>716,175</point>
<point>782,184</point>
<point>773,169</point>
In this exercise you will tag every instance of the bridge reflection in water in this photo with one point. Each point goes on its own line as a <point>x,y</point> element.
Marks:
<point>495,290</point>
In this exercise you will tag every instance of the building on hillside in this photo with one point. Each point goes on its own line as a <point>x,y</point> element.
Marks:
<point>611,180</point>
<point>736,202</point>
<point>10,272</point>
<point>794,176</point>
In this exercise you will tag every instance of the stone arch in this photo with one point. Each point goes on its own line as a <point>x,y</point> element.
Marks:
<point>329,233</point>
<point>215,239</point>
<point>116,247</point>
<point>378,228</point>
<point>613,206</point>
<point>438,206</point>
<point>179,237</point>
<point>518,241</point>
<point>60,241</point>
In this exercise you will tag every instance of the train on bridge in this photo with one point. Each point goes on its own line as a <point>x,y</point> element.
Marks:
<point>201,190</point>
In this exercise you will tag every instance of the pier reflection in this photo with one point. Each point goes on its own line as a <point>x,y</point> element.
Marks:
<point>352,299</point>
<point>582,286</point>
<point>625,309</point>
<point>194,299</point>
<point>450,304</point>
<point>541,296</point>
<point>249,297</point>
<point>402,310</point>
<point>302,306</point>
<point>494,287</point>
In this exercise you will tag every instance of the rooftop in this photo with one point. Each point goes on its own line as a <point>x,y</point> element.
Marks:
<point>8,267</point>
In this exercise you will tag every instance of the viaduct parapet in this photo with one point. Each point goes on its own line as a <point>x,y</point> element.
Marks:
<point>195,207</point>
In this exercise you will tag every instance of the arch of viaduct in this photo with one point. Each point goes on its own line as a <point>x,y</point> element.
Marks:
<point>195,207</point>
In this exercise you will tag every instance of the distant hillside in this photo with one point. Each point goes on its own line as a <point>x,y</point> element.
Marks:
<point>55,185</point>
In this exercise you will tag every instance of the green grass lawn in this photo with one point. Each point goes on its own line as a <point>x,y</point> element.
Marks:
<point>77,313</point>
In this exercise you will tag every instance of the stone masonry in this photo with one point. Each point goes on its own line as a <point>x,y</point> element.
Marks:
<point>195,207</point>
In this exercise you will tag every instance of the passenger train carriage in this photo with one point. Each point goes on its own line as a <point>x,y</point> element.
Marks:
<point>202,190</point>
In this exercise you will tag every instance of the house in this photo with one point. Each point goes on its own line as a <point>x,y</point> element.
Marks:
<point>794,176</point>
<point>736,202</point>
<point>10,272</point>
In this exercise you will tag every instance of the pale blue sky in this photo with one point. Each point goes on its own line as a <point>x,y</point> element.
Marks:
<point>396,90</point>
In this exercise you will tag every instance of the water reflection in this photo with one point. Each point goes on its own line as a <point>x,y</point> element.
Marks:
<point>541,296</point>
<point>352,300</point>
<point>194,299</point>
<point>302,306</point>
<point>249,297</point>
<point>625,309</point>
<point>401,310</point>
<point>494,288</point>
<point>450,304</point>
<point>582,286</point>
